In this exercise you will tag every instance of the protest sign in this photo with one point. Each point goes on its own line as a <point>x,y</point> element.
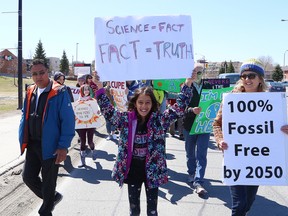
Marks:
<point>141,48</point>
<point>257,149</point>
<point>87,114</point>
<point>210,103</point>
<point>119,95</point>
<point>75,92</point>
<point>169,85</point>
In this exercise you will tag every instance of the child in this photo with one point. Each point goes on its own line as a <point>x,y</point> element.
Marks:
<point>85,95</point>
<point>141,149</point>
<point>93,86</point>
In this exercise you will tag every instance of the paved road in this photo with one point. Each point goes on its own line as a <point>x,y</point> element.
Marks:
<point>90,191</point>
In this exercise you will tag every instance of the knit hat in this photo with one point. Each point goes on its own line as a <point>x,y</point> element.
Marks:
<point>252,65</point>
<point>57,75</point>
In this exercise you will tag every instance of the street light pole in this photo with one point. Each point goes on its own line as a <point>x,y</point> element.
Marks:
<point>284,57</point>
<point>20,78</point>
<point>77,52</point>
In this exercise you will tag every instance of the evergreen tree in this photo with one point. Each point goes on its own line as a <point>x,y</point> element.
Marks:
<point>221,70</point>
<point>40,53</point>
<point>230,68</point>
<point>277,73</point>
<point>64,64</point>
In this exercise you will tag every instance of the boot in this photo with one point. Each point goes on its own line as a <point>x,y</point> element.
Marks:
<point>82,157</point>
<point>94,154</point>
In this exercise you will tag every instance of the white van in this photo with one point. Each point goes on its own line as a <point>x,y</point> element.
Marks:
<point>233,77</point>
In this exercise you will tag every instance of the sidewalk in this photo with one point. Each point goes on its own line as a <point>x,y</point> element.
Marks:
<point>9,144</point>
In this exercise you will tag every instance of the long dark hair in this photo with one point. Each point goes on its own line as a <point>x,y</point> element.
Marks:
<point>146,90</point>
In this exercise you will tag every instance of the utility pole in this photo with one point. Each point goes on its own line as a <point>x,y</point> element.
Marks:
<point>20,78</point>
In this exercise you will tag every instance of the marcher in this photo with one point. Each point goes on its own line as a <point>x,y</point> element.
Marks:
<point>141,150</point>
<point>46,131</point>
<point>89,81</point>
<point>109,127</point>
<point>80,80</point>
<point>196,146</point>
<point>85,95</point>
<point>251,80</point>
<point>59,77</point>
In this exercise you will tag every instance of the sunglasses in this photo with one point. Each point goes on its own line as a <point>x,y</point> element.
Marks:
<point>249,76</point>
<point>41,73</point>
<point>199,72</point>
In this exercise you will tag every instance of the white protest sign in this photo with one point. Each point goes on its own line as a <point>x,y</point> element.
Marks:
<point>133,48</point>
<point>87,114</point>
<point>119,95</point>
<point>75,92</point>
<point>257,149</point>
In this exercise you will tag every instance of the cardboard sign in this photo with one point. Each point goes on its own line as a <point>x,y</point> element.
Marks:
<point>119,95</point>
<point>257,149</point>
<point>86,114</point>
<point>141,48</point>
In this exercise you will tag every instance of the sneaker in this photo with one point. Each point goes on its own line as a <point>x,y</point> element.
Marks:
<point>57,199</point>
<point>190,178</point>
<point>109,137</point>
<point>200,190</point>
<point>181,137</point>
<point>115,136</point>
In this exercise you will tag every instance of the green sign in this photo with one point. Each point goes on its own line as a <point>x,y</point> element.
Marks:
<point>210,103</point>
<point>169,85</point>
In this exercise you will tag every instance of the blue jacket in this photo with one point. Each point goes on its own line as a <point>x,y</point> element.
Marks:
<point>58,123</point>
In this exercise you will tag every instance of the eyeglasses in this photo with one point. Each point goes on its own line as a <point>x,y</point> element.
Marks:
<point>249,76</point>
<point>41,73</point>
<point>199,72</point>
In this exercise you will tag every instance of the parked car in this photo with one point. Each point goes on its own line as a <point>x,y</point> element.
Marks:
<point>285,83</point>
<point>276,87</point>
<point>269,80</point>
<point>233,77</point>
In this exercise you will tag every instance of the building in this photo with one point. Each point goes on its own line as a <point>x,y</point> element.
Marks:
<point>9,64</point>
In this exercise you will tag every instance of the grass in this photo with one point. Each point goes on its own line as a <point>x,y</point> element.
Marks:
<point>9,92</point>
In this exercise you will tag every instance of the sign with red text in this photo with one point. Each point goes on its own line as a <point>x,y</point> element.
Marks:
<point>75,92</point>
<point>87,114</point>
<point>133,48</point>
<point>257,149</point>
<point>119,95</point>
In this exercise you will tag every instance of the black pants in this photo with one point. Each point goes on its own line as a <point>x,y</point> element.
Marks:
<point>44,188</point>
<point>82,134</point>
<point>134,191</point>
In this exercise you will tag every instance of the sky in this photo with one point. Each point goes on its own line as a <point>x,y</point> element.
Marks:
<point>222,30</point>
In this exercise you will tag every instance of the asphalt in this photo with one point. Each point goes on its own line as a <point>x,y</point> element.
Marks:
<point>90,190</point>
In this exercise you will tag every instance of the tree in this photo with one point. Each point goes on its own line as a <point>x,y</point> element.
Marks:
<point>267,62</point>
<point>221,70</point>
<point>64,64</point>
<point>277,73</point>
<point>40,53</point>
<point>230,68</point>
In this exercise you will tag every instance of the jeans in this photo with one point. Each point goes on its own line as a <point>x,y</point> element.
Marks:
<point>109,127</point>
<point>196,147</point>
<point>242,198</point>
<point>134,191</point>
<point>45,188</point>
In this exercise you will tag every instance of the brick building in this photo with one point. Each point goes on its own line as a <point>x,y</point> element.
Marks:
<point>9,63</point>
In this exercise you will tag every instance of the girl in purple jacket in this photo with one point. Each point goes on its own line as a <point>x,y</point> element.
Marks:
<point>141,154</point>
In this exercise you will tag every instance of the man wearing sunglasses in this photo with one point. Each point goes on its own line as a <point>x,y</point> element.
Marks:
<point>46,131</point>
<point>196,146</point>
